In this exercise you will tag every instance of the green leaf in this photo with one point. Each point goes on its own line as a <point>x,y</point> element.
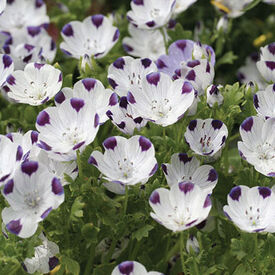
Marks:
<point>71,266</point>
<point>251,5</point>
<point>143,232</point>
<point>227,58</point>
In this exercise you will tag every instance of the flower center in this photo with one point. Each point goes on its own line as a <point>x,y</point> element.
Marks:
<point>32,199</point>
<point>155,13</point>
<point>206,144</point>
<point>126,167</point>
<point>161,107</point>
<point>266,152</point>
<point>253,215</point>
<point>71,136</point>
<point>134,79</point>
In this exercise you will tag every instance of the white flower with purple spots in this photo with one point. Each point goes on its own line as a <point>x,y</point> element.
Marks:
<point>251,209</point>
<point>33,44</point>
<point>249,72</point>
<point>150,14</point>
<point>266,64</point>
<point>37,84</point>
<point>206,137</point>
<point>132,268</point>
<point>6,68</point>
<point>66,128</point>
<point>20,14</point>
<point>90,90</point>
<point>127,72</point>
<point>181,52</point>
<point>125,117</point>
<point>144,43</point>
<point>258,144</point>
<point>94,37</point>
<point>213,95</point>
<point>182,5</point>
<point>44,259</point>
<point>180,208</point>
<point>183,168</point>
<point>32,194</point>
<point>126,161</point>
<point>264,102</point>
<point>162,100</point>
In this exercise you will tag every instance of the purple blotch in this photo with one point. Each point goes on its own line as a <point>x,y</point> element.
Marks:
<point>155,198</point>
<point>29,167</point>
<point>235,193</point>
<point>68,30</point>
<point>92,160</point>
<point>207,202</point>
<point>191,75</point>
<point>38,65</point>
<point>43,118</point>
<point>53,262</point>
<point>256,101</point>
<point>57,187</point>
<point>11,80</point>
<point>77,103</point>
<point>8,188</point>
<point>34,137</point>
<point>7,61</point>
<point>161,64</point>
<point>19,153</point>
<point>112,83</point>
<point>33,31</point>
<point>113,99</point>
<point>264,191</point>
<point>270,65</point>
<point>247,124</point>
<point>130,98</point>
<point>144,143</point>
<point>14,226</point>
<point>154,170</point>
<point>123,103</point>
<point>89,83</point>
<point>110,143</point>
<point>151,24</point>
<point>164,168</point>
<point>127,48</point>
<point>116,35</point>
<point>138,2</point>
<point>126,268</point>
<point>59,97</point>
<point>146,62</point>
<point>216,124</point>
<point>193,63</point>
<point>43,145</point>
<point>153,78</point>
<point>181,44</point>
<point>119,63</point>
<point>192,125</point>
<point>97,20</point>
<point>184,158</point>
<point>46,213</point>
<point>186,187</point>
<point>186,88</point>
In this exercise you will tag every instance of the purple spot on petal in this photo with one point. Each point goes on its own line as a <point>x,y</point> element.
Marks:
<point>184,158</point>
<point>193,63</point>
<point>123,103</point>
<point>186,88</point>
<point>153,78</point>
<point>33,31</point>
<point>43,145</point>
<point>57,187</point>
<point>27,58</point>
<point>186,187</point>
<point>272,174</point>
<point>7,61</point>
<point>9,136</point>
<point>181,44</point>
<point>89,83</point>
<point>11,80</point>
<point>235,193</point>
<point>154,198</point>
<point>121,125</point>
<point>46,213</point>
<point>113,99</point>
<point>39,3</point>
<point>96,120</point>
<point>192,125</point>
<point>164,168</point>
<point>14,226</point>
<point>127,48</point>
<point>247,124</point>
<point>38,65</point>
<point>43,118</point>
<point>29,167</point>
<point>207,202</point>
<point>264,191</point>
<point>216,124</point>
<point>126,268</point>
<point>190,223</point>
<point>34,137</point>
<point>131,98</point>
<point>271,48</point>
<point>208,67</point>
<point>146,62</point>
<point>151,24</point>
<point>53,262</point>
<point>68,30</point>
<point>119,63</point>
<point>223,140</point>
<point>78,145</point>
<point>138,120</point>
<point>19,153</point>
<point>116,35</point>
<point>110,143</point>
<point>154,170</point>
<point>59,97</point>
<point>201,225</point>
<point>191,75</point>
<point>144,143</point>
<point>77,103</point>
<point>256,101</point>
<point>8,188</point>
<point>92,161</point>
<point>270,65</point>
<point>97,20</point>
<point>112,83</point>
<point>160,64</point>
<point>225,213</point>
<point>138,2</point>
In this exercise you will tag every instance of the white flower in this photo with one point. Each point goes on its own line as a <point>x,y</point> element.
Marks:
<point>127,72</point>
<point>125,117</point>
<point>20,14</point>
<point>6,67</point>
<point>182,207</point>
<point>249,72</point>
<point>37,84</point>
<point>3,4</point>
<point>144,43</point>
<point>32,45</point>
<point>182,5</point>
<point>223,24</point>
<point>192,243</point>
<point>266,65</point>
<point>94,37</point>
<point>214,95</point>
<point>183,168</point>
<point>32,193</point>
<point>150,14</point>
<point>126,161</point>
<point>161,99</point>
<point>132,268</point>
<point>264,102</point>
<point>233,8</point>
<point>66,128</point>
<point>93,92</point>
<point>251,209</point>
<point>206,137</point>
<point>258,145</point>
<point>44,259</point>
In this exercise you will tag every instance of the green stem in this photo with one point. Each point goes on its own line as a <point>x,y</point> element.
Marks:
<point>135,251</point>
<point>195,265</point>
<point>111,251</point>
<point>233,137</point>
<point>125,200</point>
<point>90,261</point>
<point>182,252</point>
<point>163,132</point>
<point>79,164</point>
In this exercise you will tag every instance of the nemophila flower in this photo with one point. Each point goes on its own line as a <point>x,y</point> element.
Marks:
<point>251,209</point>
<point>206,137</point>
<point>37,84</point>
<point>32,45</point>
<point>214,95</point>
<point>95,36</point>
<point>144,43</point>
<point>20,14</point>
<point>66,128</point>
<point>182,207</point>
<point>192,243</point>
<point>150,14</point>
<point>232,8</point>
<point>264,102</point>
<point>93,92</point>
<point>183,168</point>
<point>161,99</point>
<point>249,72</point>
<point>258,144</point>
<point>6,67</point>
<point>32,194</point>
<point>126,161</point>
<point>44,259</point>
<point>182,5</point>
<point>132,268</point>
<point>223,24</point>
<point>266,64</point>
<point>125,117</point>
<point>127,72</point>
<point>182,51</point>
